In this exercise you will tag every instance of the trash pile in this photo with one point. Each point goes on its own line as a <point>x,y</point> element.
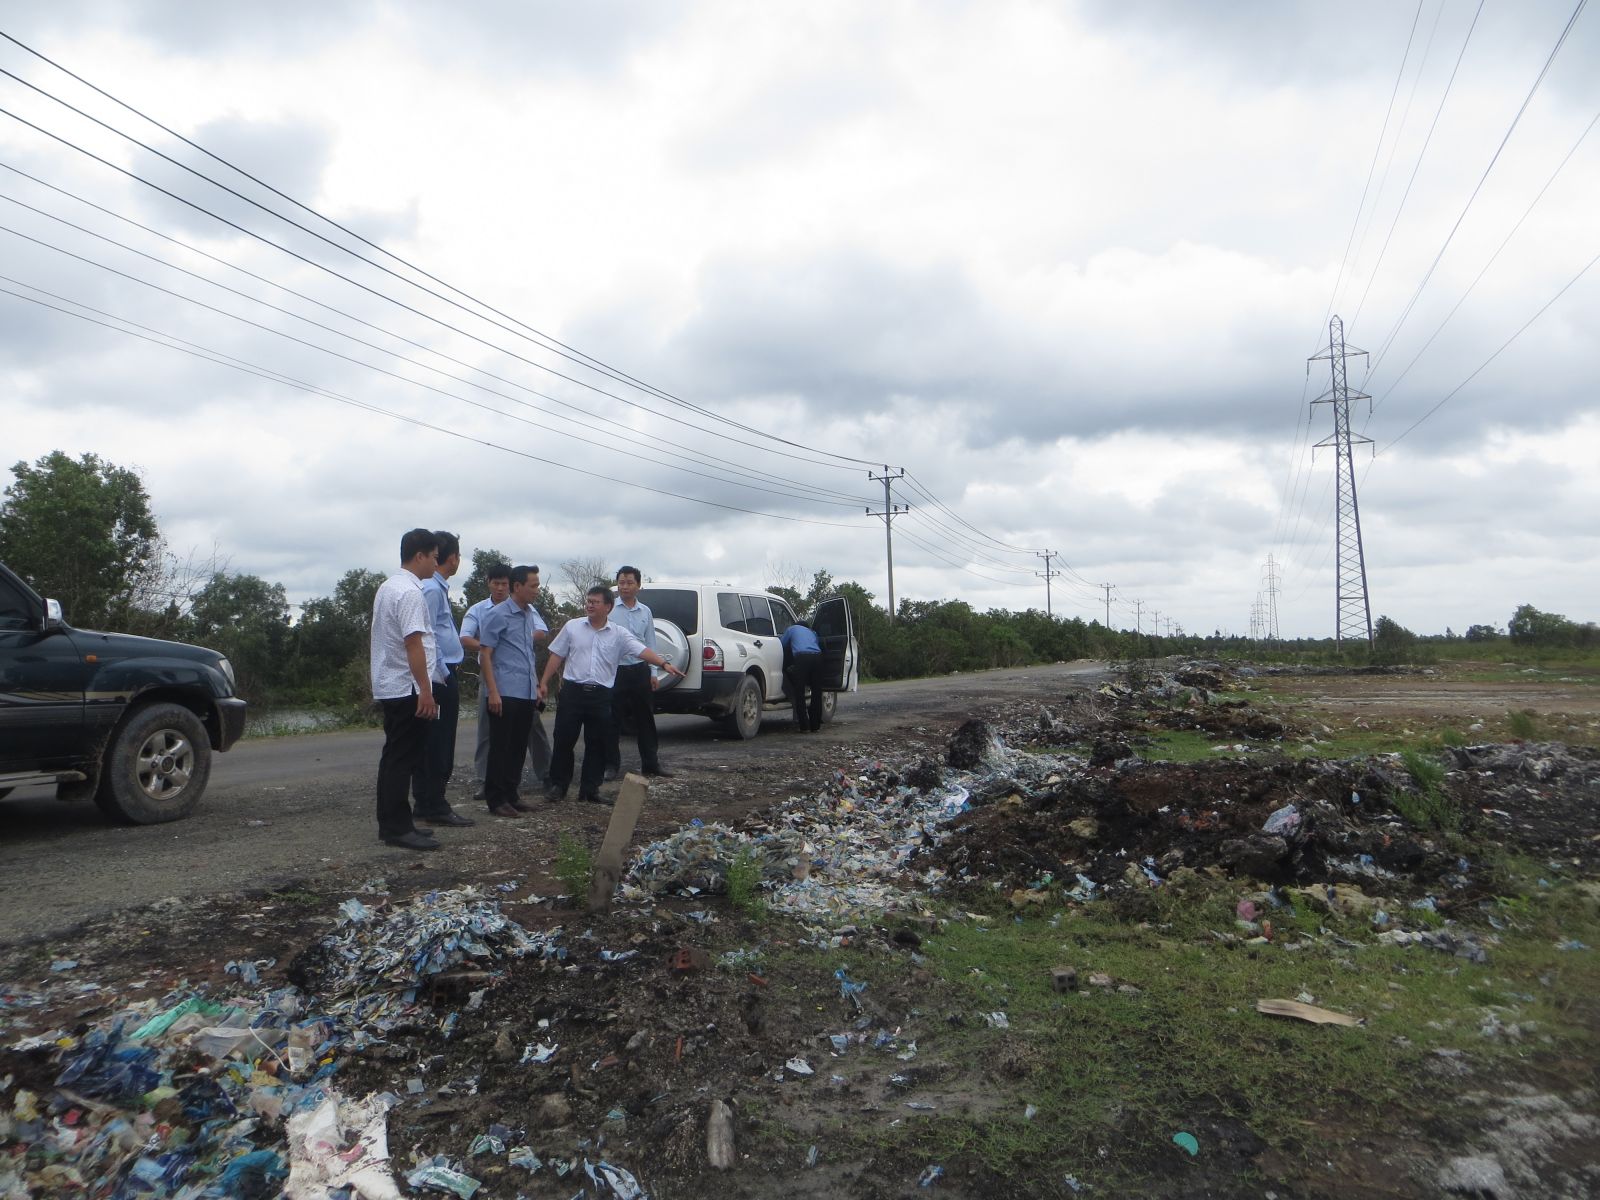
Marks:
<point>1531,791</point>
<point>197,1096</point>
<point>849,851</point>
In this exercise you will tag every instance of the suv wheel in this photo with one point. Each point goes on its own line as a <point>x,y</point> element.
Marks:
<point>157,767</point>
<point>830,703</point>
<point>745,719</point>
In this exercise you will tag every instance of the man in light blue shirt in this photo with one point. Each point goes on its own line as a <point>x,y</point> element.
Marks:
<point>432,775</point>
<point>537,767</point>
<point>631,694</point>
<point>506,658</point>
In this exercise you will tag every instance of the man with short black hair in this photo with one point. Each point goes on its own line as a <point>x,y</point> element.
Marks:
<point>432,776</point>
<point>404,669</point>
<point>505,655</point>
<point>537,767</point>
<point>586,653</point>
<point>631,693</point>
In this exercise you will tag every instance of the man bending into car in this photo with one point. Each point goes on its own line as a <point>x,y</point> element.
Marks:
<point>587,653</point>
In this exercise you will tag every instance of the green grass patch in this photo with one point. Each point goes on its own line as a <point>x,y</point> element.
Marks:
<point>1188,745</point>
<point>744,882</point>
<point>574,865</point>
<point>1429,806</point>
<point>1523,723</point>
<point>1190,1044</point>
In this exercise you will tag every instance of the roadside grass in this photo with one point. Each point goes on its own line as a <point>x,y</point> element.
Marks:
<point>1102,1065</point>
<point>574,865</point>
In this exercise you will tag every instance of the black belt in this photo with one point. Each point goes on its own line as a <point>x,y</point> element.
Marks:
<point>590,687</point>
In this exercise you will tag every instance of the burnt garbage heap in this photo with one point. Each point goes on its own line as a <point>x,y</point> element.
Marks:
<point>1130,822</point>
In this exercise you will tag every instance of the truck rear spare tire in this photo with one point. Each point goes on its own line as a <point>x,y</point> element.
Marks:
<point>156,766</point>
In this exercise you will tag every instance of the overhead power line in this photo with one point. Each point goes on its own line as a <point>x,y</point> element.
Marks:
<point>1405,313</point>
<point>173,342</point>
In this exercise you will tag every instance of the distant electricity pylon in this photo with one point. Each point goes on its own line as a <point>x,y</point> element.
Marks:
<point>890,511</point>
<point>1270,613</point>
<point>1354,611</point>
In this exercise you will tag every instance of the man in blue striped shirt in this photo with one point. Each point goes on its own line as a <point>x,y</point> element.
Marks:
<point>505,656</point>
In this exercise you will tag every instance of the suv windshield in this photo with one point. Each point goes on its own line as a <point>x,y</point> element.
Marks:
<point>681,606</point>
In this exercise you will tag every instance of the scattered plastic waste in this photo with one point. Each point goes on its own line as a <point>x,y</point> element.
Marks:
<point>1030,1112</point>
<point>355,911</point>
<point>1187,1142</point>
<point>929,1173</point>
<point>524,1157</point>
<point>849,988</point>
<point>1285,820</point>
<point>799,1066</point>
<point>621,1183</point>
<point>1571,944</point>
<point>811,1157</point>
<point>439,1174</point>
<point>997,1020</point>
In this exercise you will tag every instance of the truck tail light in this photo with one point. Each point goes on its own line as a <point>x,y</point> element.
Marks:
<point>711,656</point>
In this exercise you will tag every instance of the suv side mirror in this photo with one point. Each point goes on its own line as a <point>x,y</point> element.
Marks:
<point>53,620</point>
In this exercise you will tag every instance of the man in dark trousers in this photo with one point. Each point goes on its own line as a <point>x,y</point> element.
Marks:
<point>405,667</point>
<point>505,656</point>
<point>439,753</point>
<point>587,653</point>
<point>631,694</point>
<point>804,672</point>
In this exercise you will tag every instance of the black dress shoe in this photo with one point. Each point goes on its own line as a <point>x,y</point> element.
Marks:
<point>505,810</point>
<point>658,772</point>
<point>521,807</point>
<point>415,840</point>
<point>449,818</point>
<point>555,795</point>
<point>593,798</point>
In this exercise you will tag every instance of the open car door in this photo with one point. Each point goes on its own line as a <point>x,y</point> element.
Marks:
<point>835,630</point>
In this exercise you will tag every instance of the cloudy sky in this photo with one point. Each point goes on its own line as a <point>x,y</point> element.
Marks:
<point>693,270</point>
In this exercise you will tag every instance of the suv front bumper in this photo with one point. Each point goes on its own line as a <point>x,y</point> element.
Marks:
<point>230,722</point>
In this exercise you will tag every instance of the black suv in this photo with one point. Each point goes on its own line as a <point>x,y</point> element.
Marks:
<point>128,721</point>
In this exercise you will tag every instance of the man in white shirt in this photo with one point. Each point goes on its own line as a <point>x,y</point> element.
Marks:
<point>587,653</point>
<point>405,666</point>
<point>431,806</point>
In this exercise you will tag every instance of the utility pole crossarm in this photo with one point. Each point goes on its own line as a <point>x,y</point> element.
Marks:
<point>1047,575</point>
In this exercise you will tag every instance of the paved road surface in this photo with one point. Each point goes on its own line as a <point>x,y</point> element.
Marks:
<point>294,807</point>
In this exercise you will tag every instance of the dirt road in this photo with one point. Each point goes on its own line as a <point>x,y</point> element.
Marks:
<point>300,808</point>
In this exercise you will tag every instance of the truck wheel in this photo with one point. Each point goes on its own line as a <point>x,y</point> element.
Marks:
<point>830,703</point>
<point>156,767</point>
<point>745,719</point>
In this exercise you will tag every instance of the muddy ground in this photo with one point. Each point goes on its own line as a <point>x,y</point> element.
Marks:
<point>659,1008</point>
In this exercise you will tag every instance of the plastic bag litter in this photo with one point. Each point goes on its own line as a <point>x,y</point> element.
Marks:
<point>1285,820</point>
<point>369,971</point>
<point>439,1174</point>
<point>339,1144</point>
<point>622,1184</point>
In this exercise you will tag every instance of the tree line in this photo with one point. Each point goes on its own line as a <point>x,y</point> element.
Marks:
<point>82,531</point>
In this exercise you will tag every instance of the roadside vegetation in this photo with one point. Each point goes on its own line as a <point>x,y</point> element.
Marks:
<point>83,532</point>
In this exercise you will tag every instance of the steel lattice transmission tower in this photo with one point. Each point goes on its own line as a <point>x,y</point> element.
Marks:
<point>1354,610</point>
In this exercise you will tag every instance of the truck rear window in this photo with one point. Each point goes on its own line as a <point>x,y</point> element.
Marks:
<point>681,606</point>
